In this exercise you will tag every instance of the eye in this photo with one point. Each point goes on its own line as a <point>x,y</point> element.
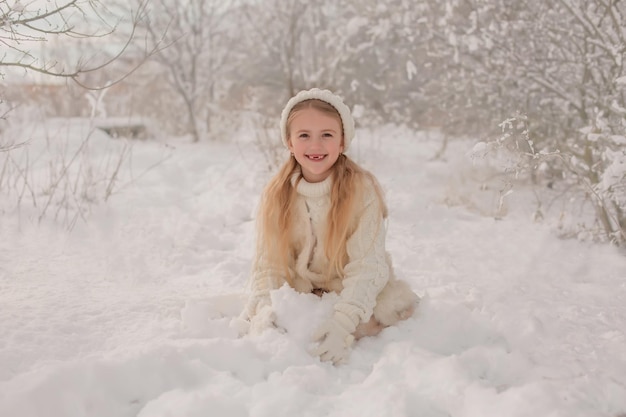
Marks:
<point>303,135</point>
<point>327,135</point>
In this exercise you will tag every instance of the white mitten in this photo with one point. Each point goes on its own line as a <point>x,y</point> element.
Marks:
<point>335,338</point>
<point>262,320</point>
<point>240,324</point>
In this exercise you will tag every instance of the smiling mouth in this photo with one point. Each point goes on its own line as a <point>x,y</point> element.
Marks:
<point>316,157</point>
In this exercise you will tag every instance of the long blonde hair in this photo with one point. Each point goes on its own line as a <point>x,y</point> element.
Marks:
<point>276,211</point>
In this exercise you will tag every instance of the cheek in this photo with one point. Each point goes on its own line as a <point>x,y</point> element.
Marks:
<point>290,145</point>
<point>295,148</point>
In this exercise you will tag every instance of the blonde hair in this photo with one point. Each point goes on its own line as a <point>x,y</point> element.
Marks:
<point>276,211</point>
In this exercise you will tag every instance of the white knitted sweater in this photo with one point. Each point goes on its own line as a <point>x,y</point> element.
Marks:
<point>368,268</point>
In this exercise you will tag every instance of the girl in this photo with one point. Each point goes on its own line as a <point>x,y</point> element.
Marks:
<point>321,229</point>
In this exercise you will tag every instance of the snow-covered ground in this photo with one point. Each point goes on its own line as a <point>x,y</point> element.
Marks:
<point>129,314</point>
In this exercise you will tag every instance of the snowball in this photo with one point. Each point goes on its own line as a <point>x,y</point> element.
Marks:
<point>301,314</point>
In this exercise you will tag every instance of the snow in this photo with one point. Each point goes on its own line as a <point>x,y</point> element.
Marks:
<point>411,70</point>
<point>130,313</point>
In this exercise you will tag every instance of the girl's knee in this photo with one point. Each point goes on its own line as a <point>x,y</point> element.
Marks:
<point>371,328</point>
<point>396,302</point>
<point>405,314</point>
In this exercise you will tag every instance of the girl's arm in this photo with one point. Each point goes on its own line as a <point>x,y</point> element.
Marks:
<point>367,270</point>
<point>265,278</point>
<point>366,274</point>
<point>258,314</point>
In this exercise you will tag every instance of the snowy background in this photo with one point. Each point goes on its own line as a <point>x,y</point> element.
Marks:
<point>128,313</point>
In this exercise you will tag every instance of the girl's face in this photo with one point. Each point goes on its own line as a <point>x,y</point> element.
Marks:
<point>316,140</point>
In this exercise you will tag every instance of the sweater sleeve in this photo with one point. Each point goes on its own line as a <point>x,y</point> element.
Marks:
<point>367,271</point>
<point>265,278</point>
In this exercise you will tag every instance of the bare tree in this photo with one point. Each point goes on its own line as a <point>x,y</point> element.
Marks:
<point>567,57</point>
<point>297,44</point>
<point>26,27</point>
<point>554,68</point>
<point>201,34</point>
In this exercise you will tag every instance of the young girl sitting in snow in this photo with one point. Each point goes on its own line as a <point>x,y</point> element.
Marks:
<point>321,228</point>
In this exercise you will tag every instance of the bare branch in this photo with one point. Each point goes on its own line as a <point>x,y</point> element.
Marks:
<point>40,17</point>
<point>10,147</point>
<point>10,22</point>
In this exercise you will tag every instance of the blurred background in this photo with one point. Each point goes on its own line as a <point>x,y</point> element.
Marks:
<point>542,81</point>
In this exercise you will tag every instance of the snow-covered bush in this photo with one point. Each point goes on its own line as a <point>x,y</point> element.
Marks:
<point>60,168</point>
<point>611,191</point>
<point>267,141</point>
<point>511,157</point>
<point>593,176</point>
<point>613,182</point>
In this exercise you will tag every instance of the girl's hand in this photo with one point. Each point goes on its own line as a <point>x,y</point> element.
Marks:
<point>262,320</point>
<point>335,338</point>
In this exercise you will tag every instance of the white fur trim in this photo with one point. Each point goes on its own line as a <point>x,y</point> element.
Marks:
<point>330,98</point>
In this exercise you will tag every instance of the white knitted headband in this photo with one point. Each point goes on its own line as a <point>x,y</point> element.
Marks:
<point>328,97</point>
